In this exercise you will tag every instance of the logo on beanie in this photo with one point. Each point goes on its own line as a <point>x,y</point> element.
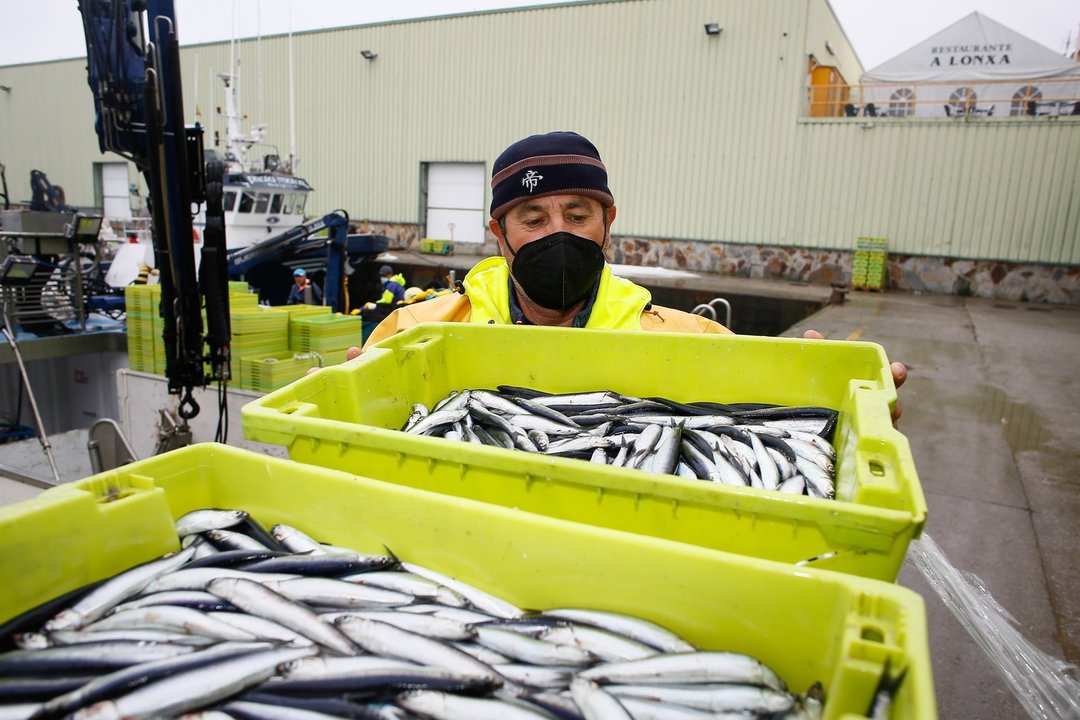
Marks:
<point>531,179</point>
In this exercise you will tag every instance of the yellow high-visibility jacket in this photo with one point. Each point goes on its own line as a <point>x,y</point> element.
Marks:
<point>620,305</point>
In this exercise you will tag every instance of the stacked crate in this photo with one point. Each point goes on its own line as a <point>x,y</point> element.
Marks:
<point>256,332</point>
<point>146,348</point>
<point>328,335</point>
<point>266,373</point>
<point>868,270</point>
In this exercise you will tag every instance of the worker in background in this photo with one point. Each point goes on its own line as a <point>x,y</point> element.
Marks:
<point>393,286</point>
<point>304,291</point>
<point>551,213</point>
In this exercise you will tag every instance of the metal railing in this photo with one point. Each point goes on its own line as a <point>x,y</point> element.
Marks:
<point>708,308</point>
<point>1020,97</point>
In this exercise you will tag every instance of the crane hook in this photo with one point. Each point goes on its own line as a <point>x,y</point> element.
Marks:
<point>188,407</point>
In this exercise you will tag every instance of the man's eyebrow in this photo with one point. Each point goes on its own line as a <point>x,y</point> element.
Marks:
<point>530,207</point>
<point>577,202</point>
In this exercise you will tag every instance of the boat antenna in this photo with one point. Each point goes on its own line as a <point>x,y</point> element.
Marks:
<point>292,102</point>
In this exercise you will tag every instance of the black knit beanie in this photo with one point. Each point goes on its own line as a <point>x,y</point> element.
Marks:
<point>553,164</point>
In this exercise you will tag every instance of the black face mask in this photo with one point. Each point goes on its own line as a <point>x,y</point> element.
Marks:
<point>558,271</point>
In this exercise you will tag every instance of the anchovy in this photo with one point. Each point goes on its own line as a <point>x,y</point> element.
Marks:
<point>525,649</point>
<point>321,565</point>
<point>696,667</point>
<point>255,598</point>
<point>115,683</point>
<point>338,593</point>
<point>410,584</point>
<point>455,707</point>
<point>115,591</point>
<point>485,602</point>
<point>438,418</point>
<point>643,709</point>
<point>382,639</point>
<point>199,521</point>
<point>714,698</point>
<point>172,619</point>
<point>634,628</point>
<point>419,412</point>
<point>428,625</point>
<point>595,703</point>
<point>200,578</point>
<point>552,677</point>
<point>602,644</point>
<point>88,657</point>
<point>193,689</point>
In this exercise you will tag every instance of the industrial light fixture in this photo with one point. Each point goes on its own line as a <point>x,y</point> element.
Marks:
<point>712,28</point>
<point>368,55</point>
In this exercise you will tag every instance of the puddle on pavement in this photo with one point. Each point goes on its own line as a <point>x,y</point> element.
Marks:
<point>1019,423</point>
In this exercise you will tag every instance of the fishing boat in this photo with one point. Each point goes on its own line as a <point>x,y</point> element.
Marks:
<point>262,195</point>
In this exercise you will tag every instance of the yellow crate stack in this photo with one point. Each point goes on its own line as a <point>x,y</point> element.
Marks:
<point>256,332</point>
<point>870,266</point>
<point>266,373</point>
<point>328,335</point>
<point>146,349</point>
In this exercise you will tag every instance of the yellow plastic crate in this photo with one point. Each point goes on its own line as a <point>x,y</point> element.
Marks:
<point>324,332</point>
<point>808,625</point>
<point>431,246</point>
<point>258,320</point>
<point>346,417</point>
<point>267,373</point>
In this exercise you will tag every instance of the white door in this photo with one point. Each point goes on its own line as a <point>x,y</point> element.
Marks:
<point>115,193</point>
<point>455,202</point>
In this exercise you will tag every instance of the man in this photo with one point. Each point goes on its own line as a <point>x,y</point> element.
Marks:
<point>551,213</point>
<point>393,286</point>
<point>303,291</point>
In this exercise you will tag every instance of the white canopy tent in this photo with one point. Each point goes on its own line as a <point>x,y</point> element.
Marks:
<point>976,66</point>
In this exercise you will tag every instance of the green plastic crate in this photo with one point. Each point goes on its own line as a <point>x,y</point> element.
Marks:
<point>346,417</point>
<point>808,625</point>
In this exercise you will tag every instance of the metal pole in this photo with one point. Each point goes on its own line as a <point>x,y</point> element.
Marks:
<point>33,403</point>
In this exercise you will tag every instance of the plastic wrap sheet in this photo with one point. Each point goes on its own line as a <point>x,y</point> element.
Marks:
<point>1046,686</point>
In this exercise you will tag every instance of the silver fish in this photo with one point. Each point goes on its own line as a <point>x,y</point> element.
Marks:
<point>114,591</point>
<point>193,689</point>
<point>595,703</point>
<point>254,598</point>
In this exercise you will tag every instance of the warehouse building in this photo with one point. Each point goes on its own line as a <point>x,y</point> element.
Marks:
<point>724,125</point>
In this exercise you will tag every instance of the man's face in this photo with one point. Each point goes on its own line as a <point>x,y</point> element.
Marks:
<point>534,219</point>
<point>300,280</point>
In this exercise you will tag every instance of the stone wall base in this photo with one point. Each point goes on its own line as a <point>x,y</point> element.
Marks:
<point>1016,282</point>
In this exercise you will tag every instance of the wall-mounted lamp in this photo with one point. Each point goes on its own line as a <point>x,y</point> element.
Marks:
<point>5,88</point>
<point>712,28</point>
<point>368,55</point>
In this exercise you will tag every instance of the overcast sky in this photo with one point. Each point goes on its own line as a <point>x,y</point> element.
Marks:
<point>34,30</point>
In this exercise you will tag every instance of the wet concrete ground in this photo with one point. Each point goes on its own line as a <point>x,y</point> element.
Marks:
<point>992,413</point>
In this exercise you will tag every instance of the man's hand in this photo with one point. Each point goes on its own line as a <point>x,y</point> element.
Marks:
<point>899,375</point>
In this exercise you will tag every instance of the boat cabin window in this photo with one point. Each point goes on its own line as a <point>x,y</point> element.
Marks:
<point>247,201</point>
<point>287,205</point>
<point>275,204</point>
<point>298,208</point>
<point>261,201</point>
<point>229,200</point>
